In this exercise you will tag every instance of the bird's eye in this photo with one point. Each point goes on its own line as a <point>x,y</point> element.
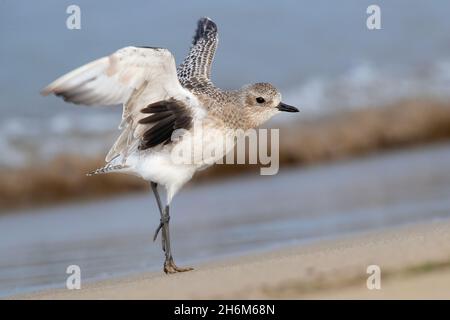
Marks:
<point>260,100</point>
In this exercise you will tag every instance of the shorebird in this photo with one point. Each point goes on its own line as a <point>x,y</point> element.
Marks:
<point>160,100</point>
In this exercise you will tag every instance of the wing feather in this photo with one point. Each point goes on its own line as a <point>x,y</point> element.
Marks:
<point>135,77</point>
<point>112,80</point>
<point>196,68</point>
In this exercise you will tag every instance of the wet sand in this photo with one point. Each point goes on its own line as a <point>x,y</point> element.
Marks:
<point>414,262</point>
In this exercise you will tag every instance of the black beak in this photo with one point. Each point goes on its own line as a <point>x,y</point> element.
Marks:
<point>286,107</point>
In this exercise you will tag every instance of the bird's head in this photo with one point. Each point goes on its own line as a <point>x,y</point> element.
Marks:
<point>262,101</point>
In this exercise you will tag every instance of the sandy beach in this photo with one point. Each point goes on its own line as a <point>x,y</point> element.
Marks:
<point>414,262</point>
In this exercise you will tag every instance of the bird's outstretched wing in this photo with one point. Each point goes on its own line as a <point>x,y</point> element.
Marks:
<point>195,71</point>
<point>137,78</point>
<point>111,80</point>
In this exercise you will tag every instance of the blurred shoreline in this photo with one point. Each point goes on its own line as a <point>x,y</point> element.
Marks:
<point>307,142</point>
<point>327,270</point>
<point>113,237</point>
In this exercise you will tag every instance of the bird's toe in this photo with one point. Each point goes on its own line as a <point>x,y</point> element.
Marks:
<point>170,267</point>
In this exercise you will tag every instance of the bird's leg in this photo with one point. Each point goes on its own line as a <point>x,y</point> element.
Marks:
<point>169,264</point>
<point>160,207</point>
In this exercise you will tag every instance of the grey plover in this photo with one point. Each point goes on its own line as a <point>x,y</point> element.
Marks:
<point>158,101</point>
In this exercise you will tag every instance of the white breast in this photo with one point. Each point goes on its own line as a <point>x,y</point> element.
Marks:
<point>174,164</point>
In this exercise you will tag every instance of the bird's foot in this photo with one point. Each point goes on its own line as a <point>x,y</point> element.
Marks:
<point>171,267</point>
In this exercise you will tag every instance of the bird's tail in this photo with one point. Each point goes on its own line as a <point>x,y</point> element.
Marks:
<point>107,169</point>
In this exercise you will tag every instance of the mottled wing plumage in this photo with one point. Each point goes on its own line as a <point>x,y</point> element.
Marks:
<point>195,71</point>
<point>135,77</point>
